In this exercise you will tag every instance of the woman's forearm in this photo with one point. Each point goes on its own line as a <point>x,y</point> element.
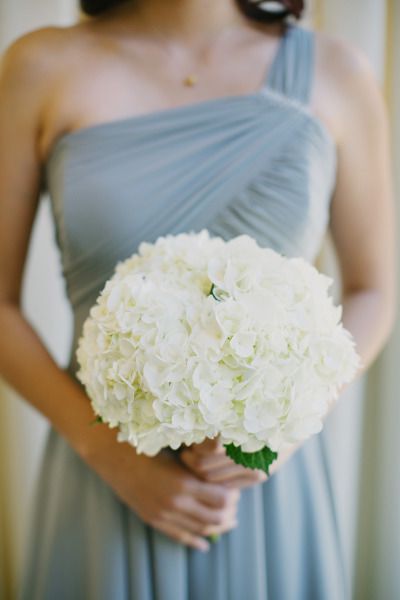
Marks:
<point>27,366</point>
<point>370,318</point>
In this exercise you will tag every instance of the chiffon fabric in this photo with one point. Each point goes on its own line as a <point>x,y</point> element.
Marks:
<point>261,164</point>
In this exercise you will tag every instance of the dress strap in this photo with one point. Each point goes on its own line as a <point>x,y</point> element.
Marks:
<point>292,72</point>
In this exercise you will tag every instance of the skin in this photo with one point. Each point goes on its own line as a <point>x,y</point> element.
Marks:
<point>130,62</point>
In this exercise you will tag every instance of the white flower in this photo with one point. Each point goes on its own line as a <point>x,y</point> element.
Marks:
<point>256,362</point>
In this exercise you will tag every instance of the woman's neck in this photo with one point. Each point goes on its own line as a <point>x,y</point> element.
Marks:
<point>184,19</point>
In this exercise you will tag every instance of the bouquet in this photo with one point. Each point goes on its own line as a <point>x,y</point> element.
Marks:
<point>195,337</point>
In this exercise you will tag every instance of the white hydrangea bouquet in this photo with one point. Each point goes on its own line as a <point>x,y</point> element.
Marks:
<point>194,337</point>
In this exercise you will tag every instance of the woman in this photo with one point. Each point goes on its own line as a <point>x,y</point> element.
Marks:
<point>157,117</point>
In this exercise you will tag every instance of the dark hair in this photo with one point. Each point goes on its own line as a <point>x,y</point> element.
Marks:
<point>255,9</point>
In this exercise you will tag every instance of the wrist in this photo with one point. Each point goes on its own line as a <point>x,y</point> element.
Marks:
<point>93,441</point>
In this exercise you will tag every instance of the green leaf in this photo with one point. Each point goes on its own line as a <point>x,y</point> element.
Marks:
<point>98,419</point>
<point>262,459</point>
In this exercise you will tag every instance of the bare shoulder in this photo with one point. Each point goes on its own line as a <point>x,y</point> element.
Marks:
<point>342,58</point>
<point>35,51</point>
<point>34,60</point>
<point>350,79</point>
<point>35,69</point>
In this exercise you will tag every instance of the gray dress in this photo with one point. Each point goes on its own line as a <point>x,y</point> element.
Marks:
<point>260,164</point>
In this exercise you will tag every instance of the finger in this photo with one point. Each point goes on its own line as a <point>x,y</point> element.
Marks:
<point>181,535</point>
<point>228,526</point>
<point>205,515</point>
<point>232,472</point>
<point>187,522</point>
<point>209,457</point>
<point>214,495</point>
<point>214,446</point>
<point>202,513</point>
<point>221,472</point>
<point>244,482</point>
<point>204,462</point>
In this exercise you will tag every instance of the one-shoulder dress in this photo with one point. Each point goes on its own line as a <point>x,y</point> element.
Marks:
<point>261,164</point>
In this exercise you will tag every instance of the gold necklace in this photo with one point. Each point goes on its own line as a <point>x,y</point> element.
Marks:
<point>190,80</point>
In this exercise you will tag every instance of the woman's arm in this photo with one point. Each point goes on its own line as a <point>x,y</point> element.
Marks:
<point>362,219</point>
<point>160,490</point>
<point>362,224</point>
<point>25,76</point>
<point>362,211</point>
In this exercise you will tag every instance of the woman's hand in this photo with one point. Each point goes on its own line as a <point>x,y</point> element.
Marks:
<point>209,461</point>
<point>167,496</point>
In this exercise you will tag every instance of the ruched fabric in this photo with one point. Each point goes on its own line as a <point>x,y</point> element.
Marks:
<point>261,164</point>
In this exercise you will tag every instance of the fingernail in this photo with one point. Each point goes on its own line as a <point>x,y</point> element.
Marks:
<point>204,546</point>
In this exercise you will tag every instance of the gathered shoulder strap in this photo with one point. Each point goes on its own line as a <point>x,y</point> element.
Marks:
<point>292,72</point>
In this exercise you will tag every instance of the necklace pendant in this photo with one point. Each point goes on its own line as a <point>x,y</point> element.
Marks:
<point>190,80</point>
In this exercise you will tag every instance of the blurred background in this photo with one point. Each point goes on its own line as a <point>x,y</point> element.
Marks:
<point>363,429</point>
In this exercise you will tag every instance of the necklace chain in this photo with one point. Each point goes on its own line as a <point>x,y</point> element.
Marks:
<point>190,79</point>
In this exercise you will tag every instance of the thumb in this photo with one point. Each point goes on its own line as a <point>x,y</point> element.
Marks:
<point>213,445</point>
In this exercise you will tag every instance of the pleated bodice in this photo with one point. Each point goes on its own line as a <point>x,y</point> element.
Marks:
<point>260,163</point>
